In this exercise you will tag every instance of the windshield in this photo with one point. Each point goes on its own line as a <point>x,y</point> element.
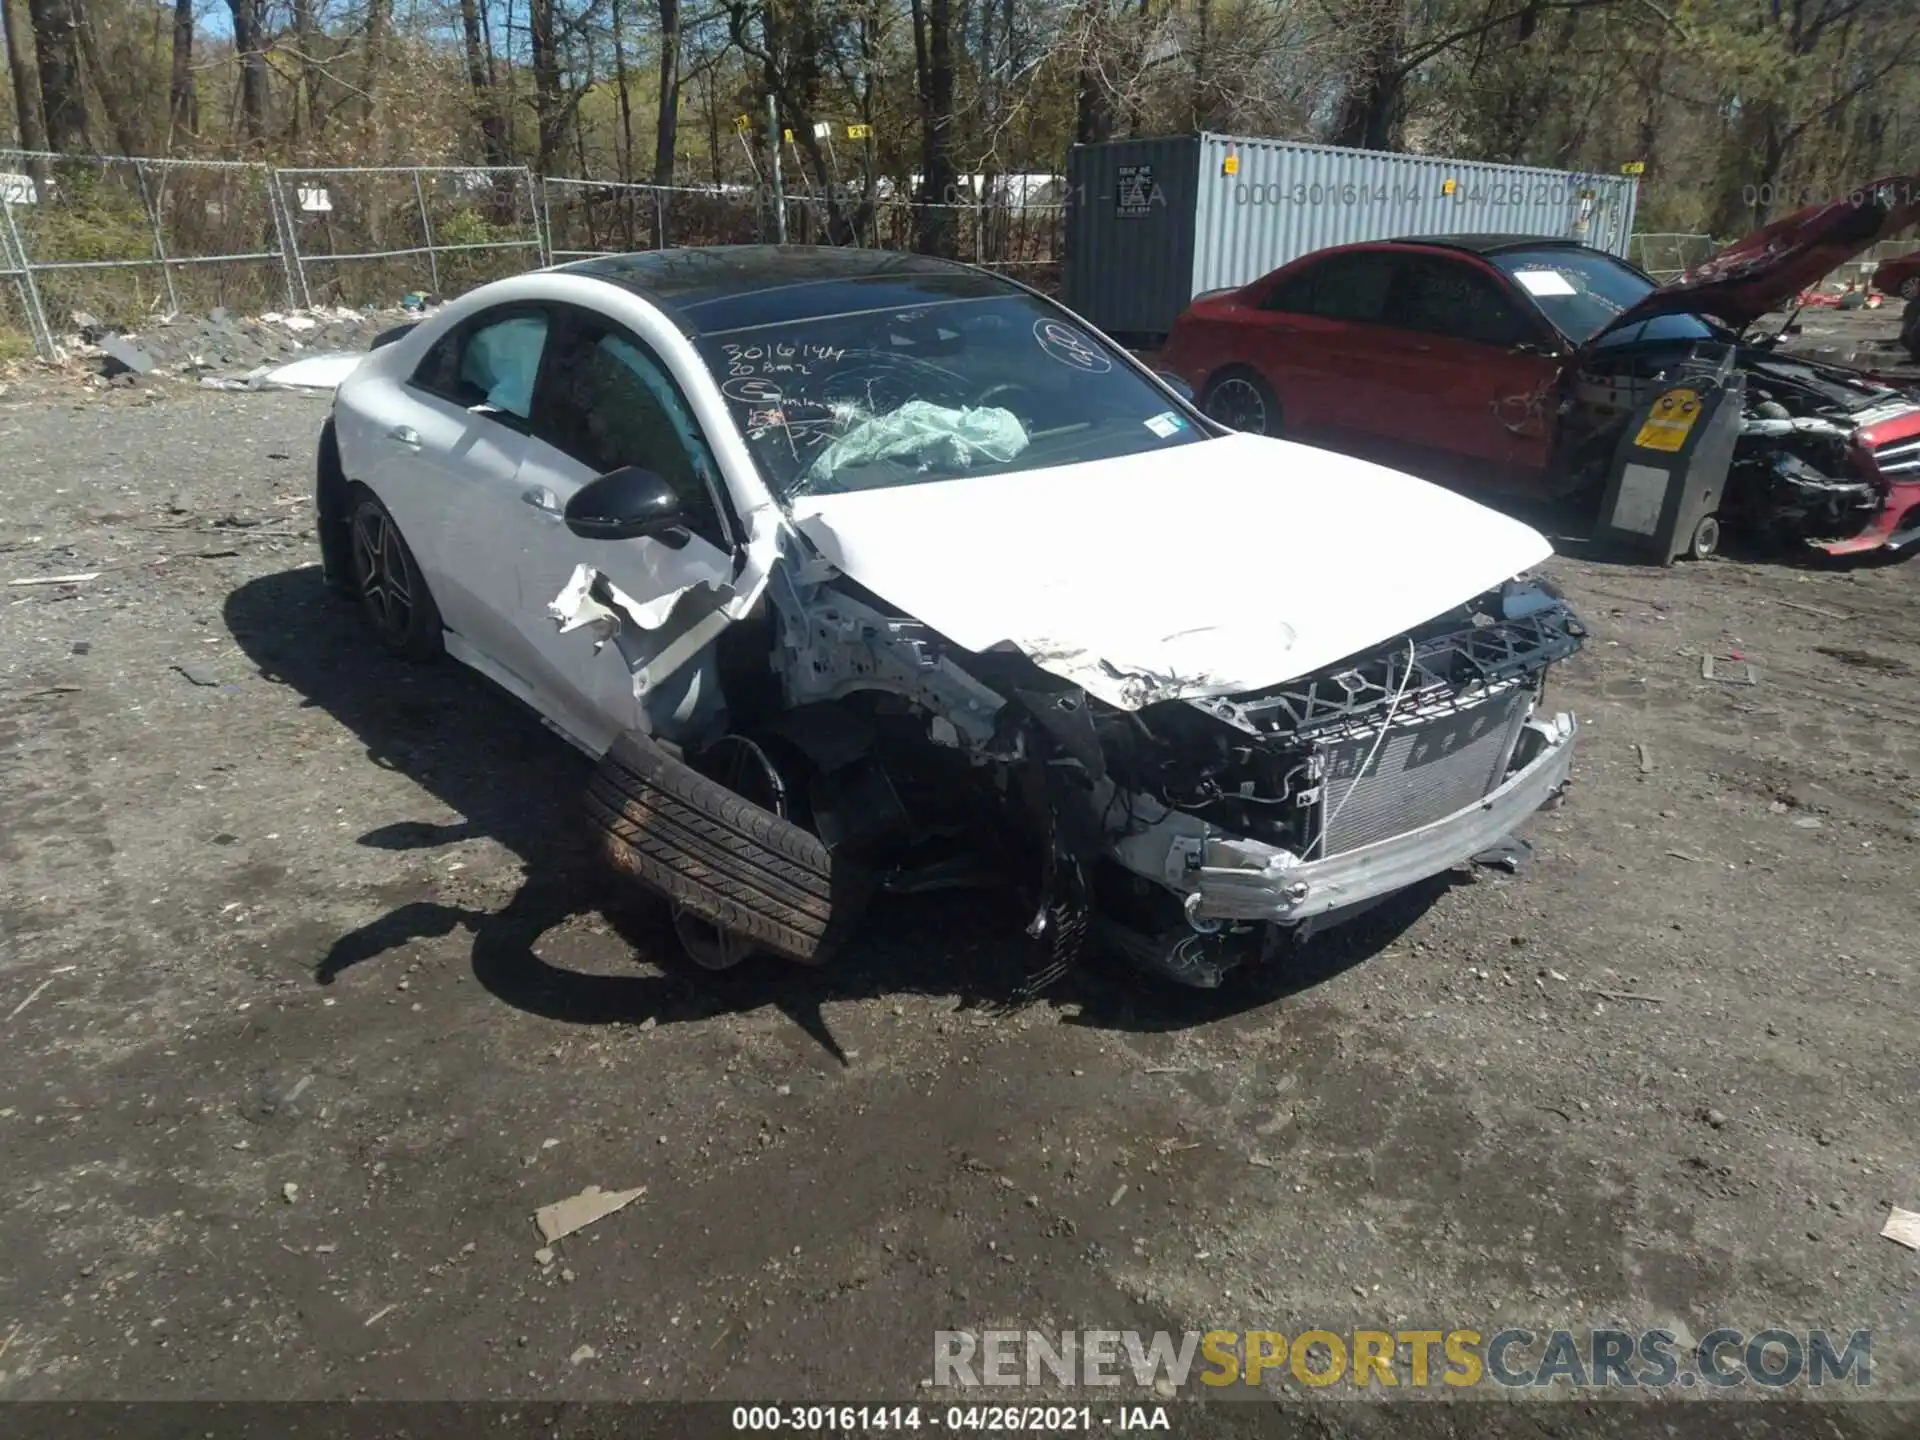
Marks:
<point>1583,291</point>
<point>885,397</point>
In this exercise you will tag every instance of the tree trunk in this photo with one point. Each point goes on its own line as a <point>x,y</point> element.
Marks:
<point>26,87</point>
<point>379,26</point>
<point>1201,107</point>
<point>544,54</point>
<point>249,38</point>
<point>56,49</point>
<point>1370,116</point>
<point>666,136</point>
<point>937,190</point>
<point>486,105</point>
<point>183,96</point>
<point>308,114</point>
<point>120,113</point>
<point>1092,101</point>
<point>623,144</point>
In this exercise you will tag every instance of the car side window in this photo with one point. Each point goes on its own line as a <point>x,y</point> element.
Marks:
<point>1342,287</point>
<point>1446,297</point>
<point>490,362</point>
<point>608,401</point>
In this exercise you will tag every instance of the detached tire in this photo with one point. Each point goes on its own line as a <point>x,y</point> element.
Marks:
<point>717,855</point>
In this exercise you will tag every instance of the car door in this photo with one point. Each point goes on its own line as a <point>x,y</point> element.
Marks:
<point>1475,377</point>
<point>606,400</point>
<point>448,444</point>
<point>1317,335</point>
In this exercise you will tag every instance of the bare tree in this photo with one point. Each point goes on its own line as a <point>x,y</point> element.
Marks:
<point>666,135</point>
<point>938,193</point>
<point>480,87</point>
<point>183,95</point>
<point>56,52</point>
<point>249,40</point>
<point>121,107</point>
<point>26,85</point>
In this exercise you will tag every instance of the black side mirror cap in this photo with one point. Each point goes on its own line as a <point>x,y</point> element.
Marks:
<point>626,504</point>
<point>1174,383</point>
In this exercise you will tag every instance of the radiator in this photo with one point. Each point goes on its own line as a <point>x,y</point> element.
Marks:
<point>1424,770</point>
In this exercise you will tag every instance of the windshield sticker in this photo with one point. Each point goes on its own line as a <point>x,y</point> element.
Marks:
<point>1165,423</point>
<point>1070,347</point>
<point>1544,282</point>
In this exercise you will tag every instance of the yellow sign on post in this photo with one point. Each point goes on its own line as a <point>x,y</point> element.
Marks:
<point>787,135</point>
<point>859,132</point>
<point>742,124</point>
<point>1634,167</point>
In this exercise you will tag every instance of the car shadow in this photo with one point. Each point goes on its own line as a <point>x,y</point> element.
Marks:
<point>487,758</point>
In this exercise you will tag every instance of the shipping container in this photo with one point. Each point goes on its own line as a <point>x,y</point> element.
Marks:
<point>1153,223</point>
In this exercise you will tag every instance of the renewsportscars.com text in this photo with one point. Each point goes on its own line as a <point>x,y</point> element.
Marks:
<point>1416,1359</point>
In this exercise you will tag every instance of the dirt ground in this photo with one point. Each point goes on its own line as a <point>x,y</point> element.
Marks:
<point>311,993</point>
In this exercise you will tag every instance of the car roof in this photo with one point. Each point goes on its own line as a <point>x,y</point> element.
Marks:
<point>717,289</point>
<point>1492,244</point>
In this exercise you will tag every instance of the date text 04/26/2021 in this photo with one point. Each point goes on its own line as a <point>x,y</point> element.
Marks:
<point>1026,1419</point>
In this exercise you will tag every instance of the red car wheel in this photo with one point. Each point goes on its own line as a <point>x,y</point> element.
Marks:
<point>1241,400</point>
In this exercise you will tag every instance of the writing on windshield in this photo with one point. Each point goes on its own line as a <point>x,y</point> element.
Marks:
<point>902,396</point>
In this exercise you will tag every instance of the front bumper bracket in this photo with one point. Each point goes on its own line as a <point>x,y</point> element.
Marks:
<point>1241,880</point>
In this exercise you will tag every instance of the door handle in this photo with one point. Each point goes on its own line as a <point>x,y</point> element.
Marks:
<point>541,500</point>
<point>405,435</point>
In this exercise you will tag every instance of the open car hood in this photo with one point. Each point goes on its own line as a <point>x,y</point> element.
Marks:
<point>1772,265</point>
<point>1215,568</point>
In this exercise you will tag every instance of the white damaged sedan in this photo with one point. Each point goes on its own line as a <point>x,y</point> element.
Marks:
<point>861,571</point>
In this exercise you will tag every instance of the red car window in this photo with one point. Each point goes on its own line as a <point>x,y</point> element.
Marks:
<point>1445,297</point>
<point>1341,287</point>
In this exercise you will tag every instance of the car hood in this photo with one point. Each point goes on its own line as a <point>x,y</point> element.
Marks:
<point>1772,265</point>
<point>1214,568</point>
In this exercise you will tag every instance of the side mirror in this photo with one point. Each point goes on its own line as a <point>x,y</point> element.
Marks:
<point>626,504</point>
<point>1174,383</point>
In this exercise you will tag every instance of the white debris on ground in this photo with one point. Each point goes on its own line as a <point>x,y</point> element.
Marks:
<point>576,1212</point>
<point>233,352</point>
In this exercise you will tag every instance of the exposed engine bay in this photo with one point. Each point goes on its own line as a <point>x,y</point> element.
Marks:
<point>929,766</point>
<point>1802,468</point>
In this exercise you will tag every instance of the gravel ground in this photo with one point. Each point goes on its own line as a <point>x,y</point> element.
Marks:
<point>310,994</point>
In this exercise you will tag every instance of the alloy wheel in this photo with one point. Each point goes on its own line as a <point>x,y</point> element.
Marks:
<point>1239,405</point>
<point>381,570</point>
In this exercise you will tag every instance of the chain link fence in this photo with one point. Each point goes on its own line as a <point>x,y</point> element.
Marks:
<point>1669,256</point>
<point>371,234</point>
<point>118,240</point>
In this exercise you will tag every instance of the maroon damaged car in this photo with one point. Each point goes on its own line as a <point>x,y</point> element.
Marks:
<point>1517,362</point>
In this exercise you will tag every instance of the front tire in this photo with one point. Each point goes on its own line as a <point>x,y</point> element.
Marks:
<point>392,591</point>
<point>1241,400</point>
<point>741,877</point>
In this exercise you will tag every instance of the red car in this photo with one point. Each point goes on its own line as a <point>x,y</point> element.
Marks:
<point>1900,276</point>
<point>1517,362</point>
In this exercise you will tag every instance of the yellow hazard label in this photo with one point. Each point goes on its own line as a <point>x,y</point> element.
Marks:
<point>1671,422</point>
